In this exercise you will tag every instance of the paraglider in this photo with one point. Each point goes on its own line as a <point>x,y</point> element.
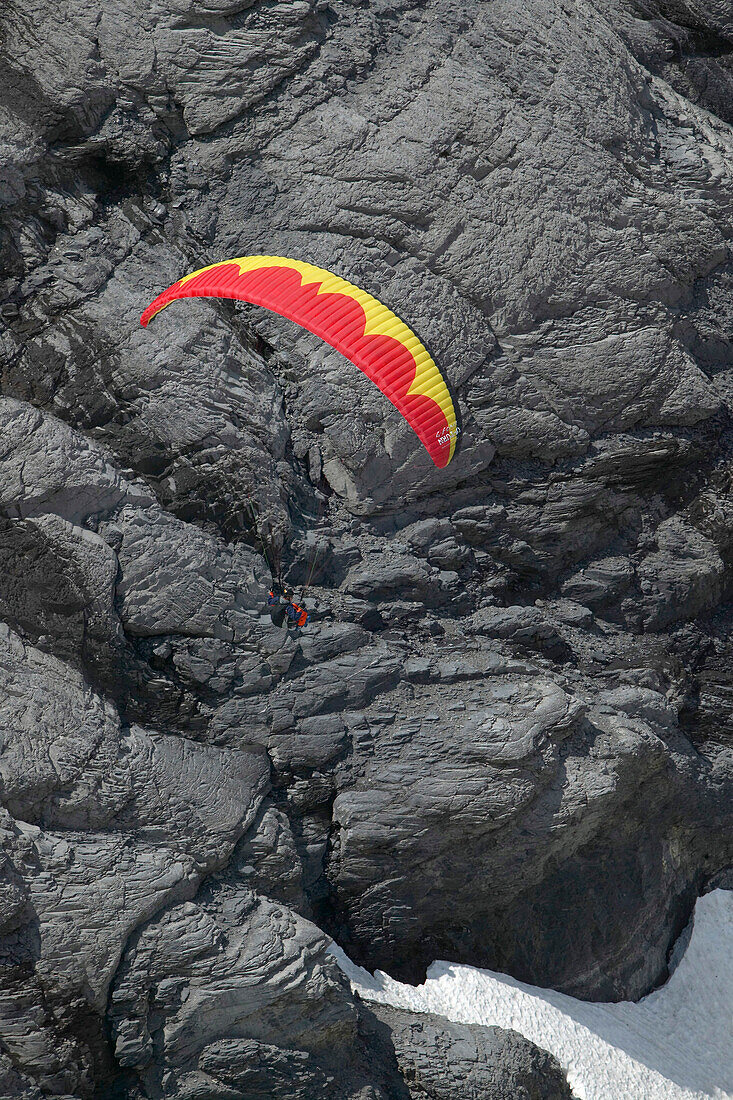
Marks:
<point>281,598</point>
<point>358,325</point>
<point>298,616</point>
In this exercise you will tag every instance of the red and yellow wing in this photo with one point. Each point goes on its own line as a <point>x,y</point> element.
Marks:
<point>350,320</point>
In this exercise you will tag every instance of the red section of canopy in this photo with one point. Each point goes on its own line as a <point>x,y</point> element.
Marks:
<point>336,318</point>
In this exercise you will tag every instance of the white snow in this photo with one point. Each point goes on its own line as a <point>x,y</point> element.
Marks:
<point>675,1044</point>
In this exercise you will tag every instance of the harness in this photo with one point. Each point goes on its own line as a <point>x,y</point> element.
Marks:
<point>297,614</point>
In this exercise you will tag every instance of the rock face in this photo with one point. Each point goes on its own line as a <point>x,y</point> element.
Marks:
<point>506,737</point>
<point>439,1059</point>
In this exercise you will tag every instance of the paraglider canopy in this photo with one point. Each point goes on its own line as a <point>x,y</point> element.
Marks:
<point>358,325</point>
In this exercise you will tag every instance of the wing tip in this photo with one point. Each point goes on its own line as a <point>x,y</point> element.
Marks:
<point>153,309</point>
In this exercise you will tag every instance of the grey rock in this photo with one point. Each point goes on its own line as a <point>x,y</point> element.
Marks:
<point>522,626</point>
<point>682,578</point>
<point>440,1060</point>
<point>570,613</point>
<point>68,763</point>
<point>268,859</point>
<point>385,576</point>
<point>601,583</point>
<point>514,760</point>
<point>425,533</point>
<point>331,640</point>
<point>16,1084</point>
<point>314,744</point>
<point>235,993</point>
<point>449,554</point>
<point>506,739</point>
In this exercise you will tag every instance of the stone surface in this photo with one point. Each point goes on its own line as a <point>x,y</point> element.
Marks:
<point>440,1059</point>
<point>506,736</point>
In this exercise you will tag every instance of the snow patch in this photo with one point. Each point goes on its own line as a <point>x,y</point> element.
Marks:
<point>674,1044</point>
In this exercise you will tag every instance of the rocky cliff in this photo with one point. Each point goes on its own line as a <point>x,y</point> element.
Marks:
<point>505,739</point>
